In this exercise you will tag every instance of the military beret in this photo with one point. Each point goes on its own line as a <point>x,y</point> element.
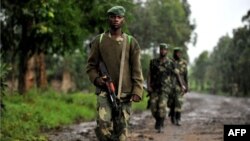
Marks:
<point>178,49</point>
<point>164,45</point>
<point>117,10</point>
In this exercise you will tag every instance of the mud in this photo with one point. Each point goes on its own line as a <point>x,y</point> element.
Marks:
<point>203,119</point>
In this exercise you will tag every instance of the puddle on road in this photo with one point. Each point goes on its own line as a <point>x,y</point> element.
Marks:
<point>203,116</point>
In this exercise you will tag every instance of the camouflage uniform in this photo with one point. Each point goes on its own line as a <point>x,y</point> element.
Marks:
<point>113,126</point>
<point>161,80</point>
<point>175,100</point>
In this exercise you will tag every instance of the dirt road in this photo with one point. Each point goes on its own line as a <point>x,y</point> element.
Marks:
<point>202,120</point>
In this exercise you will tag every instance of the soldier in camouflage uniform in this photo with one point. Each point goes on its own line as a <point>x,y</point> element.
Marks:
<point>107,47</point>
<point>175,100</point>
<point>159,85</point>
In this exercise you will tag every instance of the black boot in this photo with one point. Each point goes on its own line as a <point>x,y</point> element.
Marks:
<point>162,122</point>
<point>178,118</point>
<point>172,116</point>
<point>161,125</point>
<point>157,123</point>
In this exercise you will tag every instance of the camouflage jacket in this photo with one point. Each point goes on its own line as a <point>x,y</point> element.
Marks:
<point>161,74</point>
<point>181,68</point>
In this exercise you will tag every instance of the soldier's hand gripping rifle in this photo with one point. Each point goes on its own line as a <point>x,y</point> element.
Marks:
<point>116,108</point>
<point>109,85</point>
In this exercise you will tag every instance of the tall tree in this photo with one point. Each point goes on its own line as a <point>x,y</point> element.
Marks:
<point>229,65</point>
<point>33,29</point>
<point>199,70</point>
<point>241,51</point>
<point>40,27</point>
<point>162,21</point>
<point>220,59</point>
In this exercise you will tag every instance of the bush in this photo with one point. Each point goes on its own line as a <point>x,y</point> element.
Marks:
<point>28,116</point>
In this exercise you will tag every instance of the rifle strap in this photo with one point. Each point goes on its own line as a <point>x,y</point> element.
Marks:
<point>124,46</point>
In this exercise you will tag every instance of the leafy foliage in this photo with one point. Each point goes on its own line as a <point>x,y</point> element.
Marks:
<point>164,21</point>
<point>145,60</point>
<point>4,69</point>
<point>61,27</point>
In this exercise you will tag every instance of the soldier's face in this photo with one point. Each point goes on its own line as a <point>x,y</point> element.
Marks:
<point>163,52</point>
<point>178,54</point>
<point>115,21</point>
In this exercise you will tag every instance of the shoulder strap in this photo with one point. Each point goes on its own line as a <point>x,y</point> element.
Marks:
<point>129,39</point>
<point>100,39</point>
<point>122,66</point>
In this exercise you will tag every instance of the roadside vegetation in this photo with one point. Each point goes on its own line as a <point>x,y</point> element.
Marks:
<point>27,117</point>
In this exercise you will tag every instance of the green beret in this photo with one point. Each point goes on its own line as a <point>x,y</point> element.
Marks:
<point>117,10</point>
<point>178,49</point>
<point>164,45</point>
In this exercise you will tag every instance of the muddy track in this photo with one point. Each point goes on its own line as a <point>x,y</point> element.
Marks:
<point>203,119</point>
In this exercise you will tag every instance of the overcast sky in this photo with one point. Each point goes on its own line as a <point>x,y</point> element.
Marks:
<point>215,18</point>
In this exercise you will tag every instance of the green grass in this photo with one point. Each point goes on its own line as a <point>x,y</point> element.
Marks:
<point>27,116</point>
<point>142,105</point>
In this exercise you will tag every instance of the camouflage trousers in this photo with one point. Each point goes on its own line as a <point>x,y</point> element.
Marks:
<point>110,126</point>
<point>175,100</point>
<point>158,105</point>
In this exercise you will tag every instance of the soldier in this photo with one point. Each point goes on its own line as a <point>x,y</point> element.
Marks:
<point>159,85</point>
<point>125,71</point>
<point>175,100</point>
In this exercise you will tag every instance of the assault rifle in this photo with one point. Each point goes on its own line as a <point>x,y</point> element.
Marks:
<point>116,108</point>
<point>109,86</point>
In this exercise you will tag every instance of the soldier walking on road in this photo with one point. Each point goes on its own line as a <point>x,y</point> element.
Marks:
<point>120,53</point>
<point>175,100</point>
<point>159,85</point>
